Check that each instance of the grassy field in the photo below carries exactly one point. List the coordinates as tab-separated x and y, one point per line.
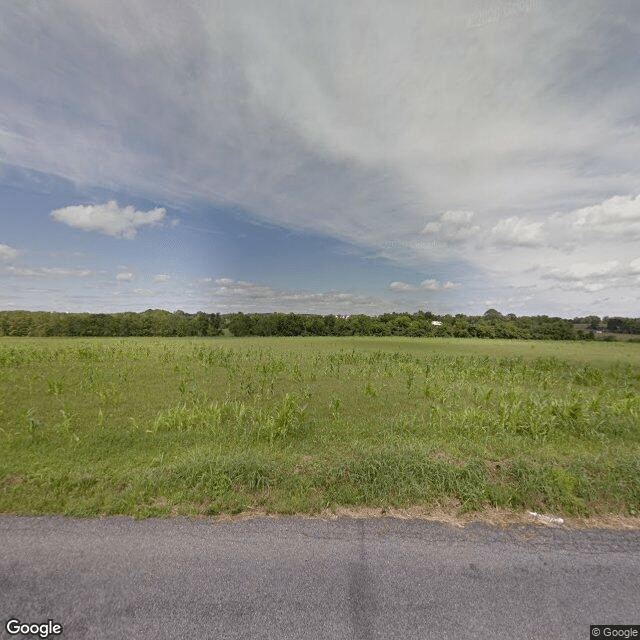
156	426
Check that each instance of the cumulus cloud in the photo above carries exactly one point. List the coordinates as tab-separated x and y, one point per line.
457	227
8	253
109	218
125	276
517	232
161	277
453	227
401	286
617	216
429	285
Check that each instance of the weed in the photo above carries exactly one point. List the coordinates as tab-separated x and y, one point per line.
35	425
334	406
369	390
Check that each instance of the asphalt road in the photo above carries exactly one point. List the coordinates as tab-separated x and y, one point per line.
301	578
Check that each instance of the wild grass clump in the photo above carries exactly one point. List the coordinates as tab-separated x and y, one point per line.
234	421
161	426
405	476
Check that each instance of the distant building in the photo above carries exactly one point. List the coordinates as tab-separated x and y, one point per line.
436	323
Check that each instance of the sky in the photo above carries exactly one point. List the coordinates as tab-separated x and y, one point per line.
320	157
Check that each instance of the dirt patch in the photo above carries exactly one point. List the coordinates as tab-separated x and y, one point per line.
494	470
449	514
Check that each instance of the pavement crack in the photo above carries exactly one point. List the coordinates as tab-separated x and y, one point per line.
361	596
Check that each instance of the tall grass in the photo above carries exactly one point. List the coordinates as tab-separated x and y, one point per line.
155	426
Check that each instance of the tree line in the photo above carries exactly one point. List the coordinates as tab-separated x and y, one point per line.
153	322
156	322
420	324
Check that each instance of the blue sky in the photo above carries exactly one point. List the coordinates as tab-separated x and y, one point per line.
320	157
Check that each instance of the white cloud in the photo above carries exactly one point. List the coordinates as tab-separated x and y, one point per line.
248	296
125	276
591	277
8	253
453	227
581	270
161	277
401	286
634	266
429	285
432	228
618	216
49	272
458	217
582	285
108	218
515	231
425	285
615	209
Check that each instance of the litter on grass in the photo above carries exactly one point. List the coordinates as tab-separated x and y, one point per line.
545	519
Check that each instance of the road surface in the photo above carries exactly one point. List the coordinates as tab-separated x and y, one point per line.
295	578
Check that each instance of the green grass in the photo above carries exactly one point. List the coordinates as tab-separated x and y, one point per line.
153	426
